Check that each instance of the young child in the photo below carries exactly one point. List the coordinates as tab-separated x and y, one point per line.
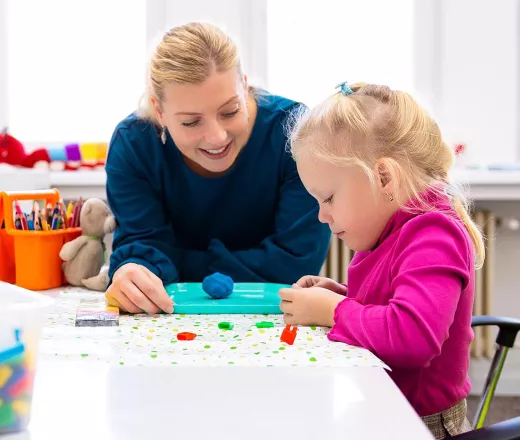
378	166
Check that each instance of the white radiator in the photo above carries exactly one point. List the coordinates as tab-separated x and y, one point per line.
484	343
337	261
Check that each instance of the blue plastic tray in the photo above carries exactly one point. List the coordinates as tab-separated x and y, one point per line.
247	298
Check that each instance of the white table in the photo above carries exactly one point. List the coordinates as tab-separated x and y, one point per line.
106	395
89	401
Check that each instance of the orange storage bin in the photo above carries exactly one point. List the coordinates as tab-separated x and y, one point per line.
30	259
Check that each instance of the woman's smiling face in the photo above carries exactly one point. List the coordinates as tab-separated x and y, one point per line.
209	122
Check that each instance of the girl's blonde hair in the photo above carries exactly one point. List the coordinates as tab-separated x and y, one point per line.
375	124
188	54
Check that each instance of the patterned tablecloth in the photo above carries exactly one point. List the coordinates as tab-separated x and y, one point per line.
151	340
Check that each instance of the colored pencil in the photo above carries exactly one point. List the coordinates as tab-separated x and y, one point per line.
20	213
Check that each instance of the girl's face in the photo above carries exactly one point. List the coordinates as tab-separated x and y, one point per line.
355	211
209	122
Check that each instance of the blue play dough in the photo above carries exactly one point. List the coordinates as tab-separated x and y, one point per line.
218	285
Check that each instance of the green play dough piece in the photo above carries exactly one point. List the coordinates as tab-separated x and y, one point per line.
264	324
226	325
7	415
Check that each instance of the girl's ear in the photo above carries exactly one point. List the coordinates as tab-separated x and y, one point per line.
386	171
158	111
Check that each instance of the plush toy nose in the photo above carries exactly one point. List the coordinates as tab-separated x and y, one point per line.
110	224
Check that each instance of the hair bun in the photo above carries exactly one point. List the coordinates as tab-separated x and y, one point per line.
381	93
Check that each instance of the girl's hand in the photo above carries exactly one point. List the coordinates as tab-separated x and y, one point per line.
135	289
326	283
309	306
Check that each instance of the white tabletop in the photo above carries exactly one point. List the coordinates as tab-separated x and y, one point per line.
88	401
136	381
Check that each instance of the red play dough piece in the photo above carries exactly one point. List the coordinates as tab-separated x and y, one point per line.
289	334
186	336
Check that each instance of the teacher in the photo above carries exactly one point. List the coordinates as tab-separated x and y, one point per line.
200	179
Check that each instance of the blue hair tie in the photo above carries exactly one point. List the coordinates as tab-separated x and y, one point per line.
345	89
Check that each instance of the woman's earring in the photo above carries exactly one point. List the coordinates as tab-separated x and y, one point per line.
390	197
163	135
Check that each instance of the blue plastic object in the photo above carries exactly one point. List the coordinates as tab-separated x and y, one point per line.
247	298
218	285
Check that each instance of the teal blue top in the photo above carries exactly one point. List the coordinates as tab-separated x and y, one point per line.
256	223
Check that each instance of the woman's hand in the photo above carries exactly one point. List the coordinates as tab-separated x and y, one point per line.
326	283
135	289
309	306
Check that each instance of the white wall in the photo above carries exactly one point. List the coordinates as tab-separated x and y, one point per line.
479	73
74	69
243	20
427	53
325	43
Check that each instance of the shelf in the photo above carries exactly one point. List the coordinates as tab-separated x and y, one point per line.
477	184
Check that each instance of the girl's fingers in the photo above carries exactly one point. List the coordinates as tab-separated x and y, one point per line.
289	319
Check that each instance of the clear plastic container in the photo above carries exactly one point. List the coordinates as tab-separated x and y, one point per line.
22	316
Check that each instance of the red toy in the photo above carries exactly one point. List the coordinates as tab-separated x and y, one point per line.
186	336
459	149
13	153
289	334
67	157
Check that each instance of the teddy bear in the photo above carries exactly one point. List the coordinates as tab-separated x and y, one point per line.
84	256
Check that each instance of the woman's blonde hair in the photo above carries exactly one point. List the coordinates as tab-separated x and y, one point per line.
375	124
187	54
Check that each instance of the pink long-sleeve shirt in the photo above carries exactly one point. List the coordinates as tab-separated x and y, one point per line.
410	302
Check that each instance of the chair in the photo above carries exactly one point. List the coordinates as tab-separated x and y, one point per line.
508	328
507	430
